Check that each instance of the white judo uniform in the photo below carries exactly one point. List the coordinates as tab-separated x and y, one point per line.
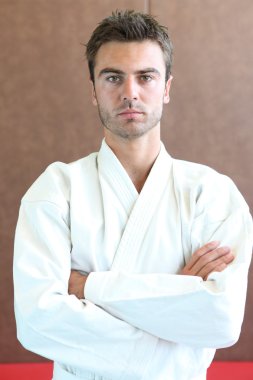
139	319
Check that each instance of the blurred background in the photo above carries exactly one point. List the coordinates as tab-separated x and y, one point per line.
46	112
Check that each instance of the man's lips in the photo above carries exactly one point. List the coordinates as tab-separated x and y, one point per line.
130	113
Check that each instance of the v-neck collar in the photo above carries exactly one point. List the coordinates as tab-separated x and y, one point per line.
112	171
139	207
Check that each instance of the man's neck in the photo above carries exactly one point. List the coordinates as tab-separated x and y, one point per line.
137	156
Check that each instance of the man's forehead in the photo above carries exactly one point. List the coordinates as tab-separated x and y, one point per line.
134	54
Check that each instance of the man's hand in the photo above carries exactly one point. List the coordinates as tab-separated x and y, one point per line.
77	283
209	258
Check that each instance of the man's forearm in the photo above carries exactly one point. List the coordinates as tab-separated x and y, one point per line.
204	261
172	307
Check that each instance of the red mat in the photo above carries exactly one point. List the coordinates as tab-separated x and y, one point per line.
26	371
230	371
43	371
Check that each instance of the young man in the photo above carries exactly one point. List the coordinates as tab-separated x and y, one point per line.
130	264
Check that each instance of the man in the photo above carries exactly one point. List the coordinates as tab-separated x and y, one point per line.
130	264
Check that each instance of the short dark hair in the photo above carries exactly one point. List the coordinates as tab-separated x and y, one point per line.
127	26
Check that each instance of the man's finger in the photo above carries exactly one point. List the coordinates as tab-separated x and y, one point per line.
210	257
220	263
202	251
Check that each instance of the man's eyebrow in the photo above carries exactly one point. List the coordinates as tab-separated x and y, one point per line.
112	70
149	70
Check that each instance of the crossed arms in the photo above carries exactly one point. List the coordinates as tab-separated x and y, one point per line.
210	258
181	308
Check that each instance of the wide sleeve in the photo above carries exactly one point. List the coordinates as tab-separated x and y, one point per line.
54	324
186	309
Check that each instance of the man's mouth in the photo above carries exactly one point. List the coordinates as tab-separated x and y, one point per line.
130	113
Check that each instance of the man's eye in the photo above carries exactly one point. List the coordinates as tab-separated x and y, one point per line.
146	78
113	79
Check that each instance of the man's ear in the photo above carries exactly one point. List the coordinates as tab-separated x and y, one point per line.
166	97
93	94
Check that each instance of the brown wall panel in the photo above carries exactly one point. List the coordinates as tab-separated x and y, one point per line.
46	112
209	118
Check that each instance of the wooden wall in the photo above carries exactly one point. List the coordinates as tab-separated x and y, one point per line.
46	113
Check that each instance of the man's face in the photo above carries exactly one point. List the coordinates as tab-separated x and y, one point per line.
130	87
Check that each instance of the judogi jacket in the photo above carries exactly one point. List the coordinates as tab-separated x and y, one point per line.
140	319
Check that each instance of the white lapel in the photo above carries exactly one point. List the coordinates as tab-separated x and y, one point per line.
139	208
114	178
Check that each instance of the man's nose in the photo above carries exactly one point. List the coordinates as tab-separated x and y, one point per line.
129	89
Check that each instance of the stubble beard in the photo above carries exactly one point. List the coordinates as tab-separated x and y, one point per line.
129	129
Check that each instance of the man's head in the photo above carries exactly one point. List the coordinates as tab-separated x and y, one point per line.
129	26
129	58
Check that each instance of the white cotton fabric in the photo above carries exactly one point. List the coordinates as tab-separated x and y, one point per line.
139	319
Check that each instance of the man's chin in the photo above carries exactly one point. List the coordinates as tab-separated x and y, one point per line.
130	133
